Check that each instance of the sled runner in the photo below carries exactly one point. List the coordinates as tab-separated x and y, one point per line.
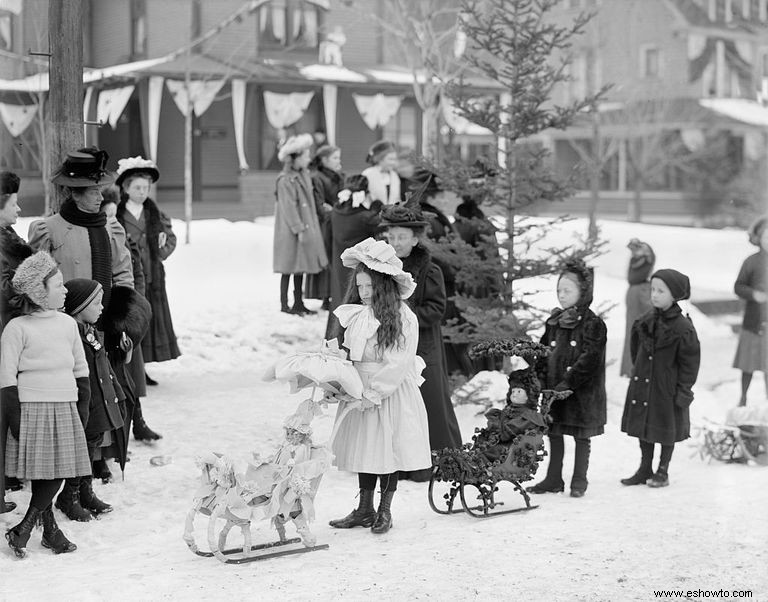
507	450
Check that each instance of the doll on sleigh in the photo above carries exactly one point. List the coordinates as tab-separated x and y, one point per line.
510	446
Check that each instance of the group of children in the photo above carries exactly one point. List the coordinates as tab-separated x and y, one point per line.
60	395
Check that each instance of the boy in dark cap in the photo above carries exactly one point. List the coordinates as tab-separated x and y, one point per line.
102	415
666	354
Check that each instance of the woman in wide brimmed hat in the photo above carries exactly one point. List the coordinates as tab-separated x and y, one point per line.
298	244
751	286
385	431
404	228
151	230
383	179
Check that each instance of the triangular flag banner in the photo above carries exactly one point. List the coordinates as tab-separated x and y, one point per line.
17	117
111	104
285	109
202	94
377	110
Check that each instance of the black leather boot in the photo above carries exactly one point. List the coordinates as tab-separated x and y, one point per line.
18	536
553	482
88	499
383	522
53	538
100	470
362	516
141	431
68	501
580	465
645	471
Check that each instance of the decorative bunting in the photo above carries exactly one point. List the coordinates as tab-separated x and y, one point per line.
111	104
202	93
284	110
377	110
17	117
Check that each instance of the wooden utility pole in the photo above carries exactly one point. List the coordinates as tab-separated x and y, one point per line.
65	105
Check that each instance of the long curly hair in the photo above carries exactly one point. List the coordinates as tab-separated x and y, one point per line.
385	303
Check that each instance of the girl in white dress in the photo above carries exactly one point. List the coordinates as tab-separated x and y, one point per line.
386	431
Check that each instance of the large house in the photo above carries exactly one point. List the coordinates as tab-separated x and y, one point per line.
259	70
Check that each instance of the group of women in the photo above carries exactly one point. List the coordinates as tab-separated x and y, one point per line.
108	231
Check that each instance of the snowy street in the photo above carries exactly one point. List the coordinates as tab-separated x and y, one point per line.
706	531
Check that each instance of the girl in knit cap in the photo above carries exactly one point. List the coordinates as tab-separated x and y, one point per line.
43	376
577	338
102	415
666	356
750	286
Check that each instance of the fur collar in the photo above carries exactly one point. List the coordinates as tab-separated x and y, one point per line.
13	248
416	263
657	328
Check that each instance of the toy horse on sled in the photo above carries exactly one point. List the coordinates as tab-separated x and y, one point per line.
283	487
511	445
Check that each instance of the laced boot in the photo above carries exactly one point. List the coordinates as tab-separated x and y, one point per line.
640	477
362	516
383	522
68	501
88	499
100	470
53	538
660	478
141	431
18	536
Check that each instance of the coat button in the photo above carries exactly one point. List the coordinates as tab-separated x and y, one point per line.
634	401
645	404
552	344
650	357
635	377
647	380
567	368
573	343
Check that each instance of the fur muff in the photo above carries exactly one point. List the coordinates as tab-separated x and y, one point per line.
128	312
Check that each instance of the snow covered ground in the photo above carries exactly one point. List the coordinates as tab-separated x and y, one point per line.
707	531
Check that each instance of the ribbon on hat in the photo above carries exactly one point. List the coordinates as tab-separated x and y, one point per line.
358	197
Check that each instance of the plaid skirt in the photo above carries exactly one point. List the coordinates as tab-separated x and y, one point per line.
51	443
750	354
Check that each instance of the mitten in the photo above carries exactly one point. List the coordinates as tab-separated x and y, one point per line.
83	398
11	409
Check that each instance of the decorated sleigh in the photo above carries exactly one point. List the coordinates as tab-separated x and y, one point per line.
743	438
282	487
507	450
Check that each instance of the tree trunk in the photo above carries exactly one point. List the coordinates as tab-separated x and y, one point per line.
65	107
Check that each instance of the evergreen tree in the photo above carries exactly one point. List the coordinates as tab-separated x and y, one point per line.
518	45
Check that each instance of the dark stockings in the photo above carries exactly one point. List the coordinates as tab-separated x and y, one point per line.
367	481
298	285
43	493
746	380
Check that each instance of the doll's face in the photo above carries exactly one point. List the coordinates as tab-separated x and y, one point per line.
364	287
92	311
56	291
518	397
568	293
661	297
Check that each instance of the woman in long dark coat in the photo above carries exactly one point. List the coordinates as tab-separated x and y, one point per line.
151	229
353	219
403	229
638	300
327	181
13	250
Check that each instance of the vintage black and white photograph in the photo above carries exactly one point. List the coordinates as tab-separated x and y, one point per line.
384	300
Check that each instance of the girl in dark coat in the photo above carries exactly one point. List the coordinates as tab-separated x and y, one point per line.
404	228
327	181
13	250
750	286
354	218
666	356
638	294
102	415
577	338
151	229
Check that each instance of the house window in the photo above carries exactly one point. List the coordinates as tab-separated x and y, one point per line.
650	61
6	30
291	23
402	128
138	29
